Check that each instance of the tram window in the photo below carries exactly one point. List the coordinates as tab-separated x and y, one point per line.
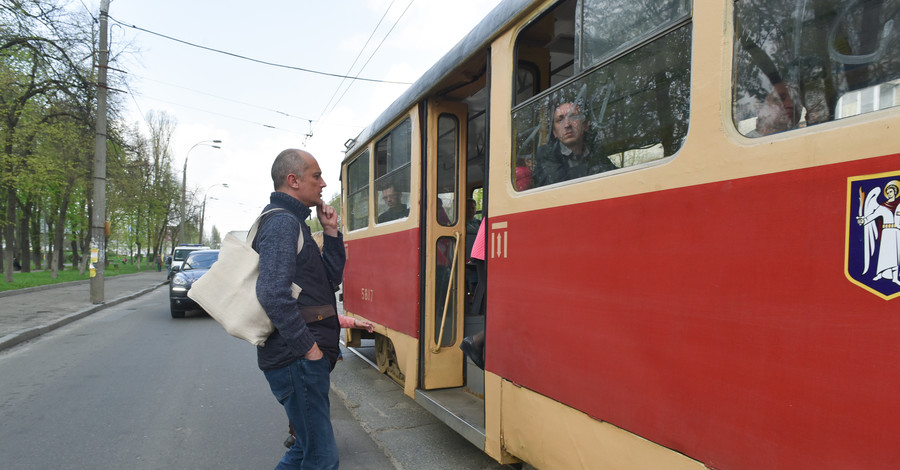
545	51
446	247
527	80
798	64
358	192
448	169
392	174
608	26
624	113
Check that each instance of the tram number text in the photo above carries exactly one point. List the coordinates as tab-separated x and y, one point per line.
367	294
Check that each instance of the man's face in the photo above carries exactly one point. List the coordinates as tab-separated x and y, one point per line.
568	125
308	188
391	197
776	114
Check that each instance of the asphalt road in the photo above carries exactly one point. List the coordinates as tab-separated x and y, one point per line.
129	387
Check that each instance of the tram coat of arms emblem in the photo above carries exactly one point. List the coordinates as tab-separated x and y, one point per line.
873	233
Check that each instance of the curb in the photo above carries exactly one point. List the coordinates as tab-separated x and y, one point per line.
13	339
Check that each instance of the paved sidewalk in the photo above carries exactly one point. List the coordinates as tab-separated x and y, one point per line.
28	313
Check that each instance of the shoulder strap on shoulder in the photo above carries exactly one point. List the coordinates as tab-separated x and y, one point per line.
264	216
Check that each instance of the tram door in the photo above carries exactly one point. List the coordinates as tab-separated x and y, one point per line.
442	329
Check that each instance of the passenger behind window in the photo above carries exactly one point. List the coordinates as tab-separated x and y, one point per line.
827	50
523	175
396	209
569	153
472	224
778	113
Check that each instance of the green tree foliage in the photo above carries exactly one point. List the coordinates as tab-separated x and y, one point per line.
47	129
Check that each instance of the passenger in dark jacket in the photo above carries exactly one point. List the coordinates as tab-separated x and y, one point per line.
569	154
299	355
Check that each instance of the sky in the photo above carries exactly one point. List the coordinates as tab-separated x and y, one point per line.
257	110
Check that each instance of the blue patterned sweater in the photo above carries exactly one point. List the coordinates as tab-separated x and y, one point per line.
316	273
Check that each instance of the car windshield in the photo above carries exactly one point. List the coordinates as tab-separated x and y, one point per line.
200	260
181	253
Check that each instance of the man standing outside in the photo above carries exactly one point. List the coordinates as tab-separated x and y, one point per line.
299	355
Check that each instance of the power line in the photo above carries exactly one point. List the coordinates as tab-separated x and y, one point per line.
368	60
290	67
269	126
349	69
222	98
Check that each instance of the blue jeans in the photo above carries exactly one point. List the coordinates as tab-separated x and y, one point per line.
302	388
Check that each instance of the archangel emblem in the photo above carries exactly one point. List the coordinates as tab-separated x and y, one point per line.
873	233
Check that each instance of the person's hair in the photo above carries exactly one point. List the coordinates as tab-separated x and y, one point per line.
287	162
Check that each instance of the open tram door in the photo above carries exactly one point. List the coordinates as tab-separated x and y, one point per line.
445	183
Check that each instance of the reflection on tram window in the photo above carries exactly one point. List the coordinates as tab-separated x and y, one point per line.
358	192
602	34
392	174
625	113
447	169
798	64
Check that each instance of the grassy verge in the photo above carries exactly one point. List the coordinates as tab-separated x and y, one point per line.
40	278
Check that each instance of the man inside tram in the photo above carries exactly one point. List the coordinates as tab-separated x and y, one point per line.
570	153
778	113
396	209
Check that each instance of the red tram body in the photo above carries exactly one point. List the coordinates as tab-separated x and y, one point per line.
709	301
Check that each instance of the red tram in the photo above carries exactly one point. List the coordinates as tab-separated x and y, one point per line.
691	248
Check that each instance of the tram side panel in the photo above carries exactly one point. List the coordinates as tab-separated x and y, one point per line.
715	320
381	280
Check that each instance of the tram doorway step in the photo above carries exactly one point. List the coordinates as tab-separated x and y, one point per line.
458	409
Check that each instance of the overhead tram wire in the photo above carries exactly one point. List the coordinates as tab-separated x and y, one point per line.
349	69
282	113
326	111
268	126
272	64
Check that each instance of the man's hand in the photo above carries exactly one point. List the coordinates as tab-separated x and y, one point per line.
328	217
314	353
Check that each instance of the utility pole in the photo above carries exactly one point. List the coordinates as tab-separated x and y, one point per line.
98	218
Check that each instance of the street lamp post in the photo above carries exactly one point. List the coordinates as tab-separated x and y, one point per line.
203	209
209	143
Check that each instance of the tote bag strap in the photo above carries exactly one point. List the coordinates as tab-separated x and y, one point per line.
252	235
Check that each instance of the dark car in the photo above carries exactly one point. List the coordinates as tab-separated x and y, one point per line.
195	265
179	255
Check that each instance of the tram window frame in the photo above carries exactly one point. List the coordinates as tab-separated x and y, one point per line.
393	162
358	191
588	90
796	67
